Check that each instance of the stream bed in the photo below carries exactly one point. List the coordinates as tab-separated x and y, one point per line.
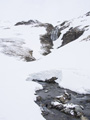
48	94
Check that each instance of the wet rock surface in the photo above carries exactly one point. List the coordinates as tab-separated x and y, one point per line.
46	99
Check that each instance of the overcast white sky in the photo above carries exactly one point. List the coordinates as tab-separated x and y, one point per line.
43	10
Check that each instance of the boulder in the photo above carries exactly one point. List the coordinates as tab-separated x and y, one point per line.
57	105
84	118
78	110
51	80
63	98
68	111
38	98
88	13
46	43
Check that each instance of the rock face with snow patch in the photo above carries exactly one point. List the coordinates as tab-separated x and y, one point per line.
47	39
14	47
47	44
71	35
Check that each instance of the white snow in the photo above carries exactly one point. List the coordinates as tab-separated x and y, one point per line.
16	95
28	37
43	75
71	63
55	103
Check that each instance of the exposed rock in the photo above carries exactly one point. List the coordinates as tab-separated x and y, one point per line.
67	95
28	59
56	105
48	26
71	35
30	22
87	38
45	110
47	43
78	110
47	39
38	98
84	118
64	98
63	23
75	108
61	99
51	80
70	108
18	51
68	111
55	33
14	47
88	13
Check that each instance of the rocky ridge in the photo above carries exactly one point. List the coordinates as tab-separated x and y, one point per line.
64	32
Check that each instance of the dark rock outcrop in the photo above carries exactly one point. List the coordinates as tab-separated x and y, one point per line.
51	80
71	35
46	43
64	25
29	22
88	13
47	39
28	59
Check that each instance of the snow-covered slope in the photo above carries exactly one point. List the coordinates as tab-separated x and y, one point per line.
69	63
72	60
16	95
20	40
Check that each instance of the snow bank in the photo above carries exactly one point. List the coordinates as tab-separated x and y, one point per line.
16	95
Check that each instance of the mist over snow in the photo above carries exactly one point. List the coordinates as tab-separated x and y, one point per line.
22	47
45	11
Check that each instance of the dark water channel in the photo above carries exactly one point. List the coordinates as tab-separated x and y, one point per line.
48	94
